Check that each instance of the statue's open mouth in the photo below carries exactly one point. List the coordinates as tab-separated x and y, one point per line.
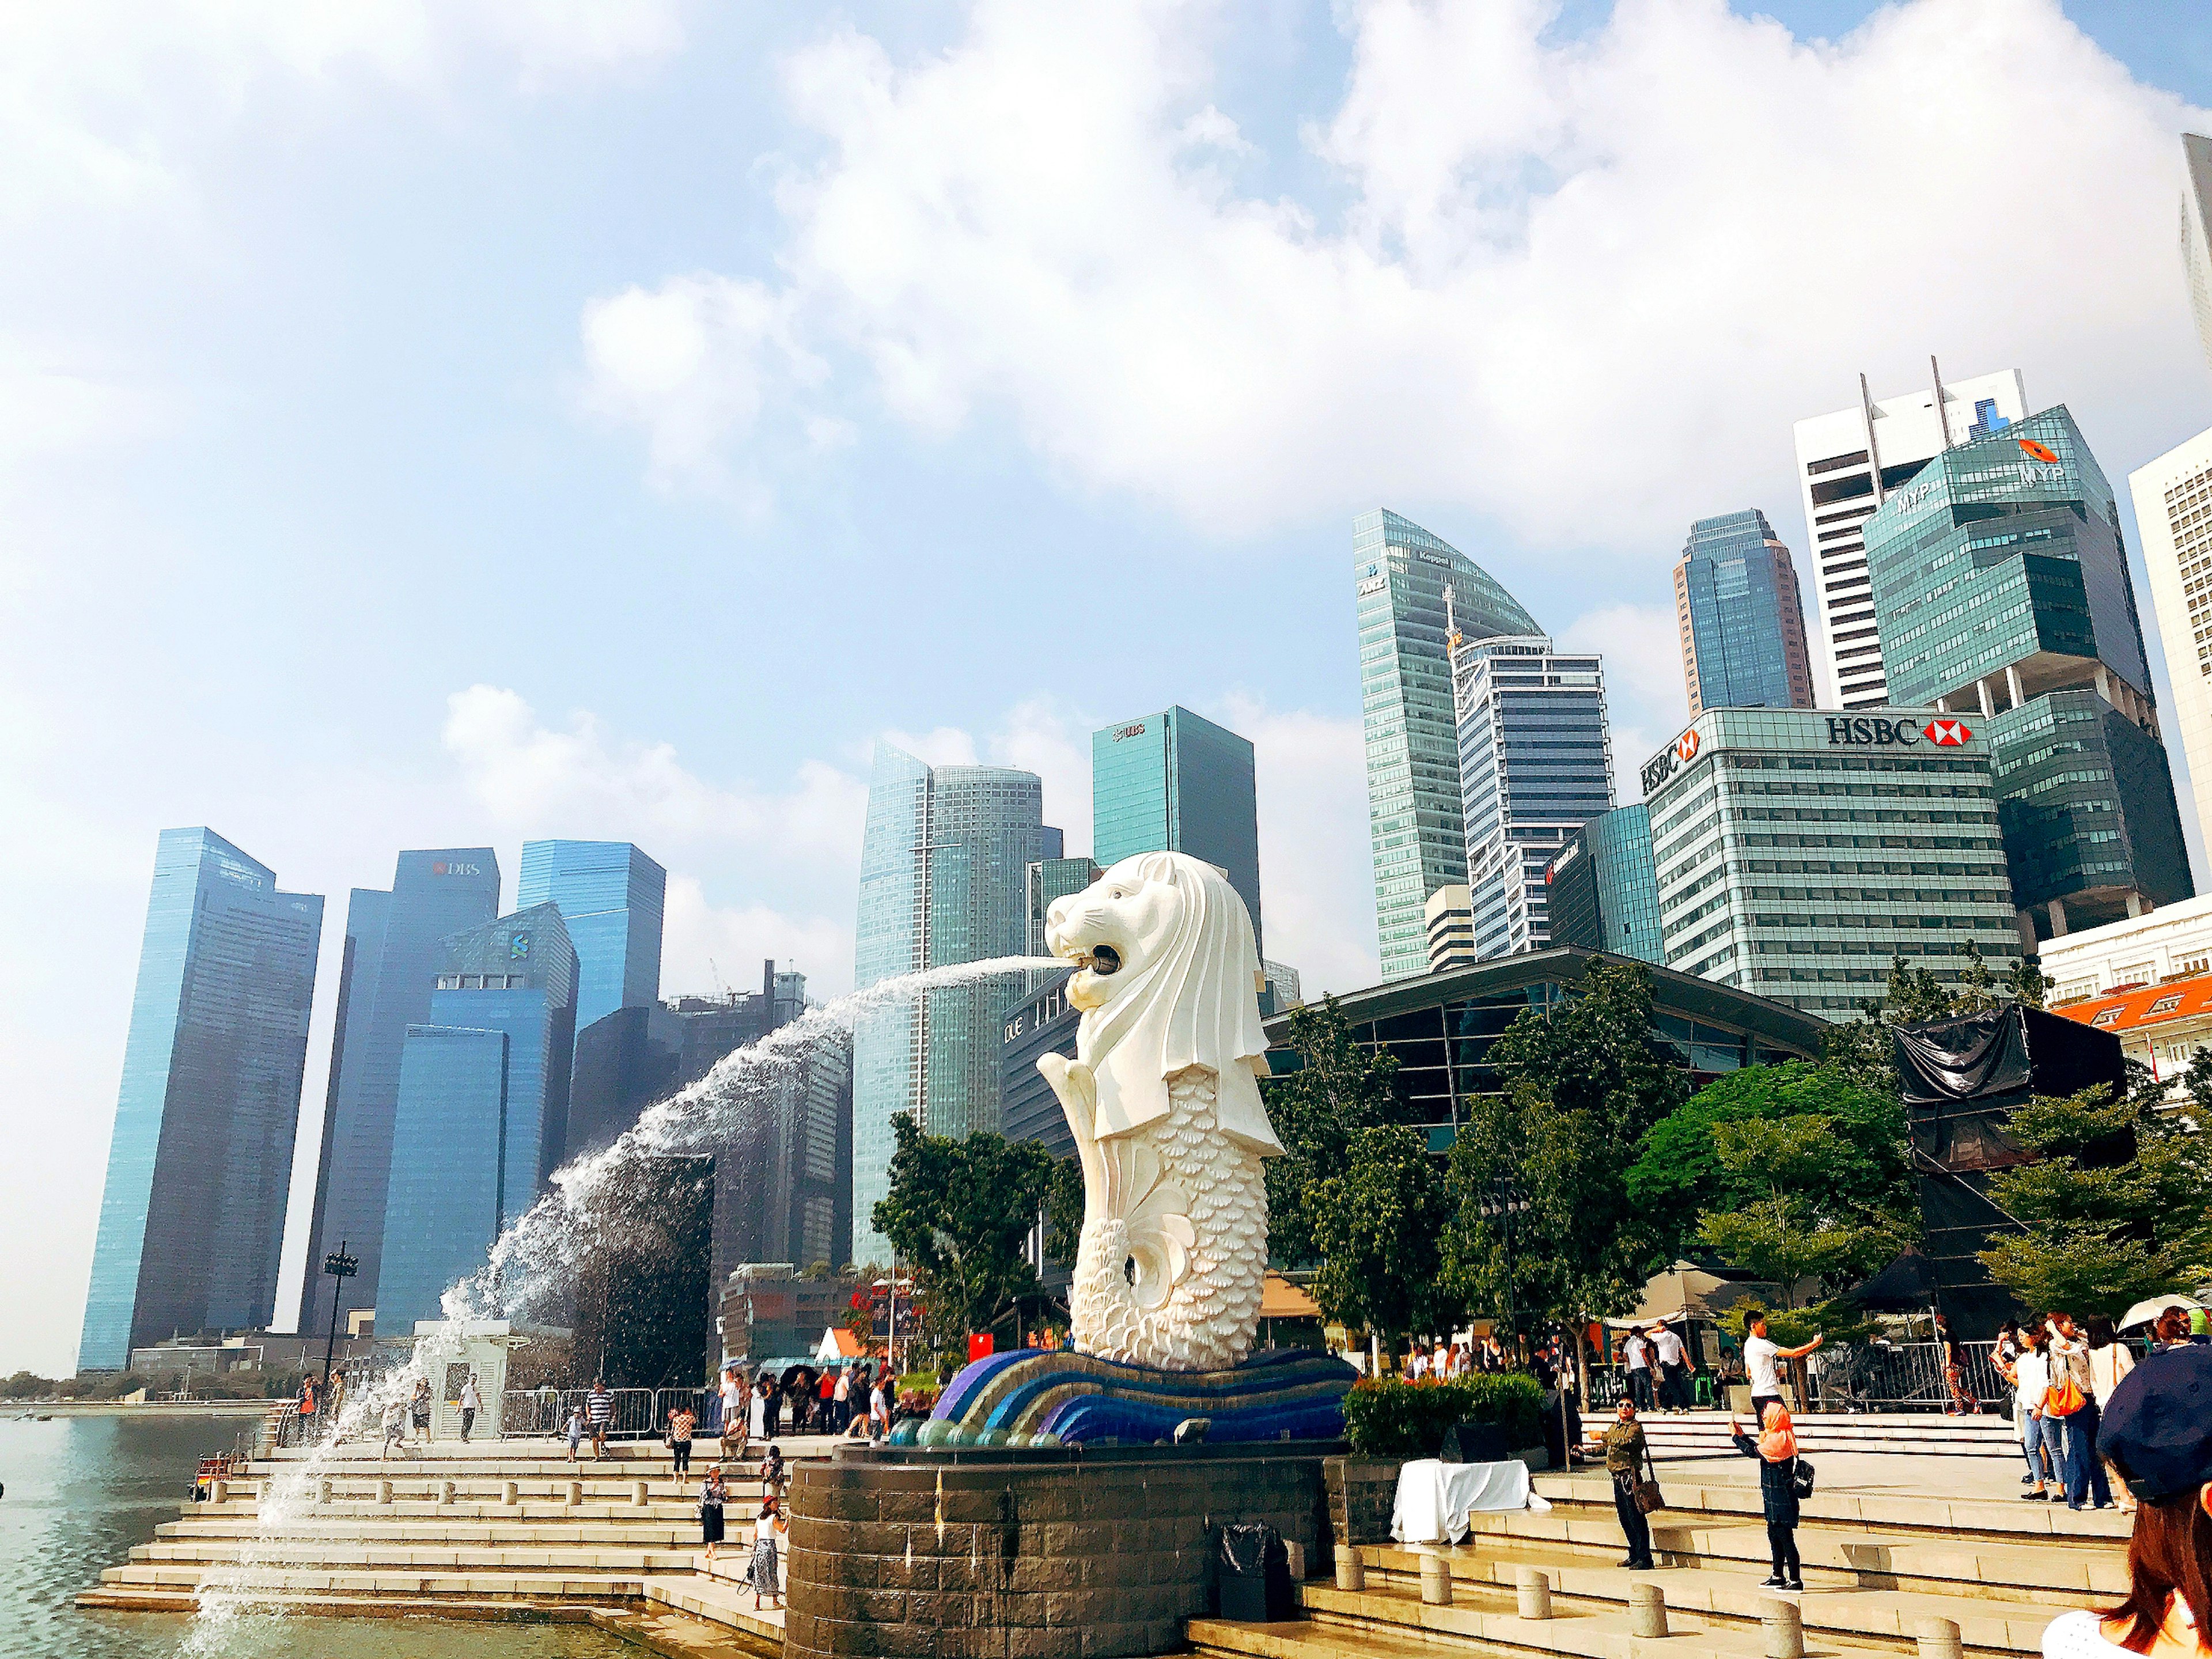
1101	959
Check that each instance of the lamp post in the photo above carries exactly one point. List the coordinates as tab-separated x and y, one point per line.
340	1267
1501	1204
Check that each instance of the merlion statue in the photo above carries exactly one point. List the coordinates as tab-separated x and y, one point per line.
1163	1097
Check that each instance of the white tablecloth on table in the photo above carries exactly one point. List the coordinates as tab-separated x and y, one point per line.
1435	1498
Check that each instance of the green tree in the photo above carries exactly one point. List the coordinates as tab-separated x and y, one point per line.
1788	1218
1679	1172
1338	1088
1376	1223
1582	1084
959	1214
2111	1203
1064	1200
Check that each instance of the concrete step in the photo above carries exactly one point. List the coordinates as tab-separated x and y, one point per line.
1674	1434
534	1532
719	1601
383	1553
1938	1564
480	1586
1877	1513
668	1514
1991	1623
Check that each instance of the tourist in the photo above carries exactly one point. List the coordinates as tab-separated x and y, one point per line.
1637	1354
826	1402
599	1412
2158	1433
768	1533
1776	1448
418	1409
2045	1441
471	1403
774	1476
334	1401
840	1398
1673	1367
1759	1355
1563	1423
2084	1471
681	1422
1626	1456
575	1430
1447	1352
395	1424
2171	1330
713	1495
1963	1404
309	1399
1417	1366
733	1413
879	1406
756	1418
2109	1362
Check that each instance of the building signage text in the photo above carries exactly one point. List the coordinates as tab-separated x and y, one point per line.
1134	730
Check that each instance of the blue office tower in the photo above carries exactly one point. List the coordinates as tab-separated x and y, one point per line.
1172	782
397	940
483	1107
1741	624
1605	887
192	1217
610	895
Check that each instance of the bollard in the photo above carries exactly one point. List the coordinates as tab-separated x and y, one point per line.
445	1492
218	1492
1784	1627
1297	1552
1936	1638
510	1494
1351	1570
384	1492
1533	1590
323	1490
638	1494
1436	1581
575	1491
1647	1610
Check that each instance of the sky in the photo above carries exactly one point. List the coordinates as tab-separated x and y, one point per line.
434	425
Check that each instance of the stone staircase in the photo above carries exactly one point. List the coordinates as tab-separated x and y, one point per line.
1704	1433
444	1527
1876	1562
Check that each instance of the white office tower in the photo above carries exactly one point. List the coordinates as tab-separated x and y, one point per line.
1847	462
1450	912
1534	765
2173	512
2195	235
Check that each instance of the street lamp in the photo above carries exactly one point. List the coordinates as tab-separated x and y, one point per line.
1500	1204
340	1267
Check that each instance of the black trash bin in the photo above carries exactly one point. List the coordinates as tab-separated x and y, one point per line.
1254	1573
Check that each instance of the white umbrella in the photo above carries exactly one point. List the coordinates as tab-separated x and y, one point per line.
2144	1312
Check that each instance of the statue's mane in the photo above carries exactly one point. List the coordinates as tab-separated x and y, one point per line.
1193	1003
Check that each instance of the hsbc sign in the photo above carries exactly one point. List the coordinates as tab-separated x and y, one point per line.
1669	761
1868	731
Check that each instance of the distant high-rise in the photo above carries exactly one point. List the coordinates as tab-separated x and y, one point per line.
2002	583
1536	763
1284	989
396	940
1736	609
2195	244
611	895
1172	782
1605	887
191	1219
1848	463
944	876
1450	916
2174	510
1413	811
1054	878
482	1110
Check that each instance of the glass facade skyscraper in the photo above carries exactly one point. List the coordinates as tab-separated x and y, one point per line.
397	941
1414	816
1050	880
1534	764
1741	624
192	1219
1172	782
1605	890
610	897
2001	582
943	878
483	1107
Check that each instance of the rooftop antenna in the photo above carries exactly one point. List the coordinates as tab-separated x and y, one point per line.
1451	623
1873	447
719	990
1942	415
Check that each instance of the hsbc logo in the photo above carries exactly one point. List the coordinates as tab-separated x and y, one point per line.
440	867
1948	733
1686	746
1869	731
1670	760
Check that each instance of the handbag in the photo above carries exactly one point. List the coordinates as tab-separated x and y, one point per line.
1801	1477
2064	1397
1648	1498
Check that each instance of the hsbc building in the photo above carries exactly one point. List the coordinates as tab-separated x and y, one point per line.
1799	851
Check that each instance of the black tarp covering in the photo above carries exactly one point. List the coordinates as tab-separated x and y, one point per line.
1968	1057
1906	1285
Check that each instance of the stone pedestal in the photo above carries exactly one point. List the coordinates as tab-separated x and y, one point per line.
1068	1553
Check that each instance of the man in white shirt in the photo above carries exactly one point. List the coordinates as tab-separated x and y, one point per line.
1673	1368
1760	1356
1639	1353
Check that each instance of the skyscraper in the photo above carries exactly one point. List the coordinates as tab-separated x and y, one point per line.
2196	245
1535	763
191	1219
1848	462
1413	810
1605	887
483	1107
2174	510
944	874
610	897
1172	782
2002	585
1054	878
1450	916
1736	609
398	941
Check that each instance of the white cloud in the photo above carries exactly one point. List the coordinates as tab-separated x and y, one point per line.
1645	700
702	941
1582	286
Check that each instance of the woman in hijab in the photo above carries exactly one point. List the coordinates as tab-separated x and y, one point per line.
1776	1448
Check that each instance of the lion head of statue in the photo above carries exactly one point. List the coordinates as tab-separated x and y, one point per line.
1167	979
